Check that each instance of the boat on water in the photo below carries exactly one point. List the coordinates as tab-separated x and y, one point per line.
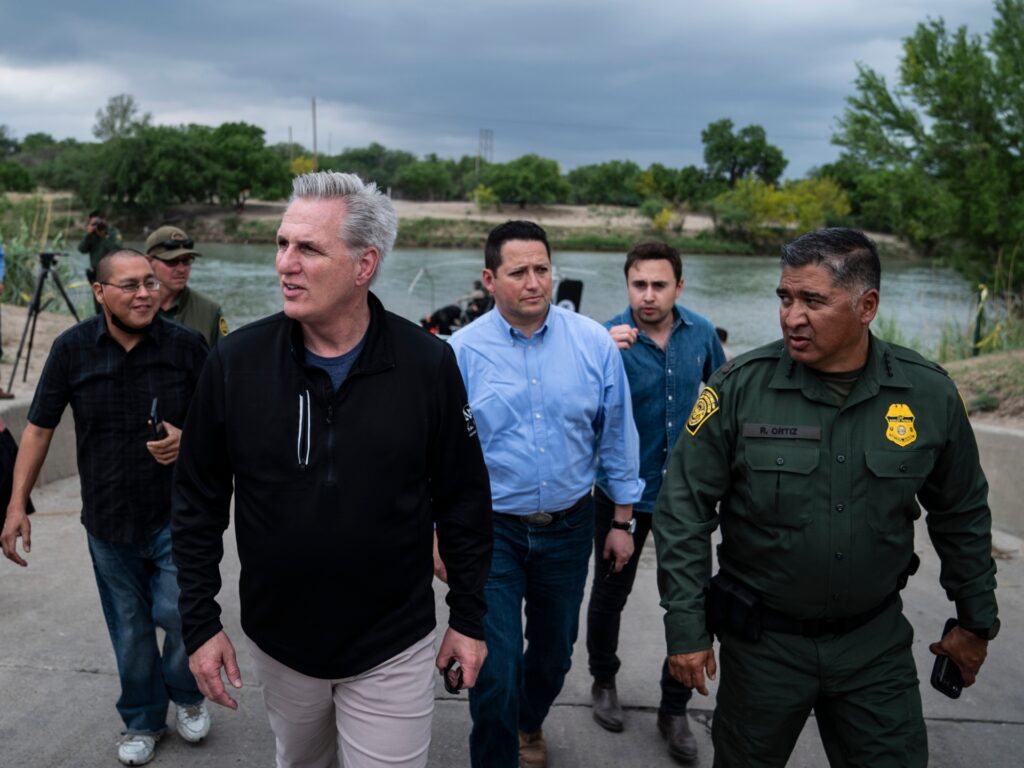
444	321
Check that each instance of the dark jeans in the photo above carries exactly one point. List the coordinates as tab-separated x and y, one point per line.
608	598
138	587
546	567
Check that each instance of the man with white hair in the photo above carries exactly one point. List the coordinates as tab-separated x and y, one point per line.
345	434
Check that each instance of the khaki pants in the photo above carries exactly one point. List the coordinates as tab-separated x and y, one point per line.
378	718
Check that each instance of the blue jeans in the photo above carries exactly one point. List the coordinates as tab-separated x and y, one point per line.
546	566
138	587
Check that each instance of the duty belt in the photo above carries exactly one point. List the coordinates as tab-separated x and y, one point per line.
542	519
780	622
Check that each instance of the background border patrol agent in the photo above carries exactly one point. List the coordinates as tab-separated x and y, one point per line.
819	448
171	253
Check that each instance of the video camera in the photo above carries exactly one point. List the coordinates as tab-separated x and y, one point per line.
47	260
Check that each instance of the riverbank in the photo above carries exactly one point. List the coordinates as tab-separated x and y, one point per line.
464	225
992	386
450	224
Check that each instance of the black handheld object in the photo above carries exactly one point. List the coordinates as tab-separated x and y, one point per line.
156	424
452	675
608	567
946	677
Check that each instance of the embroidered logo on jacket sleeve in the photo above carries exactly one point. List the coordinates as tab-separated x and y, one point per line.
707	405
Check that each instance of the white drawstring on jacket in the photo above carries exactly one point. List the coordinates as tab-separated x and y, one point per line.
305	419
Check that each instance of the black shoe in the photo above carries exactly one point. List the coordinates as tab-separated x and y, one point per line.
681	744
607	711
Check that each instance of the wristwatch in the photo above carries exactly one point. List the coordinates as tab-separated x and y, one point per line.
988	633
630	526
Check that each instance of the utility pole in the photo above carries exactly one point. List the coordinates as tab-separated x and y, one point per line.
316	164
291	148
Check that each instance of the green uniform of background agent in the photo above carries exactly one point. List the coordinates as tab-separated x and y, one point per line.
97	246
197	310
817	511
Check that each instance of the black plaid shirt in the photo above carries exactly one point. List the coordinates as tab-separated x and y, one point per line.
126	494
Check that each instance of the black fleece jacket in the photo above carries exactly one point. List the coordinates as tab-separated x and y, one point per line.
336	496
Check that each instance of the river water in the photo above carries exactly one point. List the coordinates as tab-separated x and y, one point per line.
734	292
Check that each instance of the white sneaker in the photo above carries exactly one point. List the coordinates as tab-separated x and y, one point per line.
193	722
136	749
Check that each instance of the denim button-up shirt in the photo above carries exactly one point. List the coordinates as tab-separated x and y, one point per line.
547	408
664	384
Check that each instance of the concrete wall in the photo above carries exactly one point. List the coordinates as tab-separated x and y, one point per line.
60	461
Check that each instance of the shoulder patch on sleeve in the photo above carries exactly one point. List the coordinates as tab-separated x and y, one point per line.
707	405
222	326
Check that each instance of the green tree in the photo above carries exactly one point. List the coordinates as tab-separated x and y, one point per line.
732	156
14	177
694	187
372	163
616	182
429	179
528	180
658	181
119	118
246	165
8	144
756	210
941	149
37	142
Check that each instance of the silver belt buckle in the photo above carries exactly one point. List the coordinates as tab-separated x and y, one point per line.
539	518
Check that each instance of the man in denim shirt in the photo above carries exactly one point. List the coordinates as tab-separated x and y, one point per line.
668	351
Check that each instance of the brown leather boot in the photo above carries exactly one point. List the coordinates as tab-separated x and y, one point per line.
681	743
533	750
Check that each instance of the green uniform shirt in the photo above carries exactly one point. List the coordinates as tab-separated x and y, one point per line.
97	247
818	501
198	311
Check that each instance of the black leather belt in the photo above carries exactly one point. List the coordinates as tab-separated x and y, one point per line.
542	519
779	622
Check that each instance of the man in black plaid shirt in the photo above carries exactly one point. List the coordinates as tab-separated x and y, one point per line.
110	369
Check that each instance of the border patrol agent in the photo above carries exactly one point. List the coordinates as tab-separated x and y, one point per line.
170	252
819	448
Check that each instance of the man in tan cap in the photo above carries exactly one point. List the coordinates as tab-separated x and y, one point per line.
170	252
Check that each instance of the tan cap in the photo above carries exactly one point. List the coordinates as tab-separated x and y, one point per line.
168	243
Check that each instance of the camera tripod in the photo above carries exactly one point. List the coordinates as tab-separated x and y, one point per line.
46	262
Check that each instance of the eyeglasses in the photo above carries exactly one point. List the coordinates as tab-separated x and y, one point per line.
172	245
180	261
151	285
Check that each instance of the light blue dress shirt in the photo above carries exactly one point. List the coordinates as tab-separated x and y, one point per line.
547	408
664	384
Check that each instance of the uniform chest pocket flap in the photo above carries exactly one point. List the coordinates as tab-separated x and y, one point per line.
895	478
778	482
899	464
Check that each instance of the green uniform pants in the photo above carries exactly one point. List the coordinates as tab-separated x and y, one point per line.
862	687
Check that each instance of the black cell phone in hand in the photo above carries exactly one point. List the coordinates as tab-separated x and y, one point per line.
946	677
156	425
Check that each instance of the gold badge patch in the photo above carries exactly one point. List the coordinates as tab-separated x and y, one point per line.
223	327
706	406
900	421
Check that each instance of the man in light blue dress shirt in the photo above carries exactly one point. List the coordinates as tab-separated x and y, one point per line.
550	398
668	350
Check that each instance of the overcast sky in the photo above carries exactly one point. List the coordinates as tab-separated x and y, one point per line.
581	81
